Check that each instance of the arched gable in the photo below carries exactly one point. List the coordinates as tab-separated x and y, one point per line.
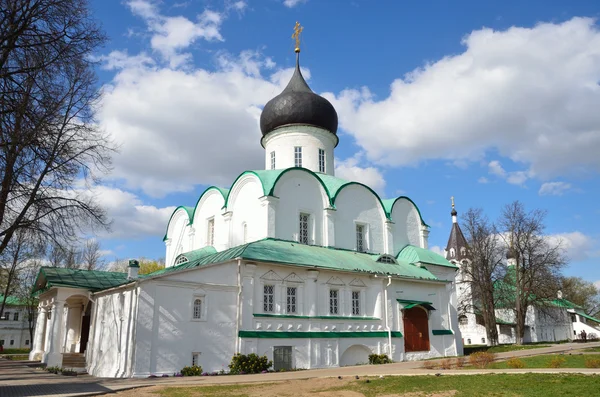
177	233
357	204
390	203
208	209
247	212
348	184
212	190
179	211
408	222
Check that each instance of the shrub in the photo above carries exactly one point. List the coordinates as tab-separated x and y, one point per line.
592	363
481	359
446	364
249	364
193	370
54	370
429	365
460	362
556	362
379	359
515	363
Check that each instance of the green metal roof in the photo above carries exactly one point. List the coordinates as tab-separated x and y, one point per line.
198	254
413	254
409	304
582	314
292	253
92	280
12	301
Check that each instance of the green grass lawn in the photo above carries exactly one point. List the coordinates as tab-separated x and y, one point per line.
496	385
571	361
592	349
501	348
15	351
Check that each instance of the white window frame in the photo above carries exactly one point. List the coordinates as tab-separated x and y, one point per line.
297	156
365	236
334	309
266	302
273	160
309	234
296	304
322	163
356	310
202	299
210	231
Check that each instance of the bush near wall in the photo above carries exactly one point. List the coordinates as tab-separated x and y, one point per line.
249	364
481	359
379	359
194	370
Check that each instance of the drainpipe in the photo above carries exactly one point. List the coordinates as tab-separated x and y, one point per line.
387	325
239	308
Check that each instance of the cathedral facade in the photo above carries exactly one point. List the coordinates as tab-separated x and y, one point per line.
290	262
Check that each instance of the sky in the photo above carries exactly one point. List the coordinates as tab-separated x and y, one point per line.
489	102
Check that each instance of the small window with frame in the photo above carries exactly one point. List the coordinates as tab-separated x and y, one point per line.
196	359
198	308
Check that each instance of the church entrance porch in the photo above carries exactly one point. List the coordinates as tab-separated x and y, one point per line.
416	329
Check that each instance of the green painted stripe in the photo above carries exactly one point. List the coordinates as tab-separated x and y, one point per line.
442	332
317	334
315	317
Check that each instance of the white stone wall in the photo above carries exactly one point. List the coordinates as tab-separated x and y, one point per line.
112	333
167	334
15	331
582	324
209	207
310	139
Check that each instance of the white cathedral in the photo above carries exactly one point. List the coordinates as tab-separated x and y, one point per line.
290	262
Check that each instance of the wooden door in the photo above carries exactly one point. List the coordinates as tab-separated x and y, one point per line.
416	330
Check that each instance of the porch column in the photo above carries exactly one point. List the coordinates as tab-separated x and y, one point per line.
54	345
40	330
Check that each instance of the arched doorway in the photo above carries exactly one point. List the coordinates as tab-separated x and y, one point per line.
416	329
354	355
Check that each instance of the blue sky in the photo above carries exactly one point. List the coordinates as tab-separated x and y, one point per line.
488	102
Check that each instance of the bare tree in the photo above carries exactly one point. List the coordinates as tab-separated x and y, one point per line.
484	270
51	150
538	261
26	279
22	248
91	255
582	292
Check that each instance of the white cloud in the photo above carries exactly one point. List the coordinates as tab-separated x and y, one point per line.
179	128
597	284
522	92
293	3
514	177
172	34
577	245
438	250
483	179
130	216
350	170
554	188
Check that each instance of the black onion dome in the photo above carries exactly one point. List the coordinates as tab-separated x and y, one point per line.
298	104
453	213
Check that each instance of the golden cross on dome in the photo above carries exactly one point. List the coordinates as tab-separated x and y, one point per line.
296	36
452	199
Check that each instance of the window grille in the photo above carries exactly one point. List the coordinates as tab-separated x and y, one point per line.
356	303
463	320
195	358
333	301
180	259
291	299
269	299
297	156
16	316
210	233
386	259
272	160
197	309
321	160
303	232
360	238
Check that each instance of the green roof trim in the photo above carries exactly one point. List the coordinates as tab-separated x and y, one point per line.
582	314
190	214
366	187
317	334
349	318
414	254
224	194
388	204
442	332
502	322
92	280
273	250
409	304
12	301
